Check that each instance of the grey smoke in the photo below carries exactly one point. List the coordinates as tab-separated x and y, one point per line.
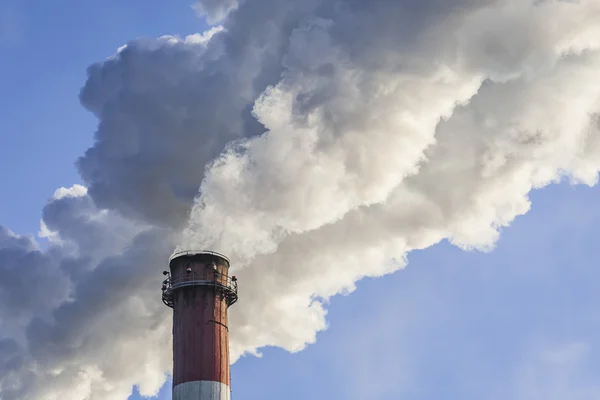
328	139
72	311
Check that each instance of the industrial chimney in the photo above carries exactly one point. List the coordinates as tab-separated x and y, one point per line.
199	290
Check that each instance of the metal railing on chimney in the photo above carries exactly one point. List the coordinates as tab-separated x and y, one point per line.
226	284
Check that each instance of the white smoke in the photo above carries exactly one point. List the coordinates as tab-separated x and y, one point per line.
328	139
360	165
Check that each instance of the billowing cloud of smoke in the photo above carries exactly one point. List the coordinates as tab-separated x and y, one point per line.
344	134
370	153
73	315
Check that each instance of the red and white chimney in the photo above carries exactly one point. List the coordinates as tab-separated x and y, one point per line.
199	290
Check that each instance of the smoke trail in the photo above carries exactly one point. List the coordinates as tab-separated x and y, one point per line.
328	139
370	154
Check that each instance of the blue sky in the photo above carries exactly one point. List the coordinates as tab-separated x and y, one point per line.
517	323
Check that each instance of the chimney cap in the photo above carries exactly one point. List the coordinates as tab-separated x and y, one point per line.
188	253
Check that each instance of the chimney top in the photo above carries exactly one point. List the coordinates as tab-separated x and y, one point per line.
185	253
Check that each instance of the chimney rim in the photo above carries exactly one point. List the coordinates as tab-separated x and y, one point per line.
188	253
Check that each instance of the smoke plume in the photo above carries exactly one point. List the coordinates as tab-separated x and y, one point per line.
314	142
